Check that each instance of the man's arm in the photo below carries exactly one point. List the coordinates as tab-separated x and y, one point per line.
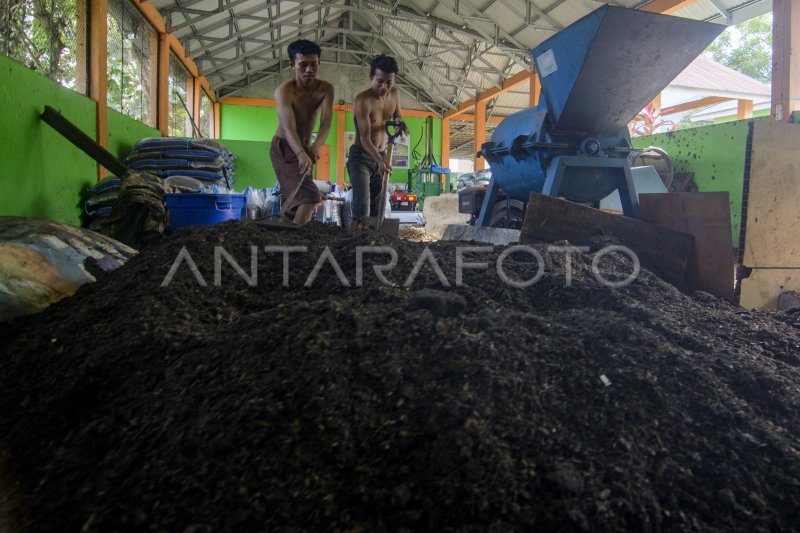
361	111
326	116
286	119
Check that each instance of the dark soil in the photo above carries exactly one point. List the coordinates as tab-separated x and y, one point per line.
137	407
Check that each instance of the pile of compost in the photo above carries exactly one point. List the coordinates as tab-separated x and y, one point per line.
176	401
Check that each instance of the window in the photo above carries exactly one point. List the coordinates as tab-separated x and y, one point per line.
206	116
180	99
48	36
132	62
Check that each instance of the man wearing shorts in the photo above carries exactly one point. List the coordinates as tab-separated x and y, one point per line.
299	101
365	164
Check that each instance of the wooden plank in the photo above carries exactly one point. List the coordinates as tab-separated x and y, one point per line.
706	216
703	102
663	251
765	285
665	7
785	59
773	217
480	133
162	118
340	156
323	166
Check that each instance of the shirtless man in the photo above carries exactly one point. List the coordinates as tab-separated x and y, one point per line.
365	165
299	101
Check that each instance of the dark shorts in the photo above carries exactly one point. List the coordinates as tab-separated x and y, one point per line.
287	169
366	180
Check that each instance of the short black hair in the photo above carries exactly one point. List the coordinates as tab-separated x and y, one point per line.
385	63
307	48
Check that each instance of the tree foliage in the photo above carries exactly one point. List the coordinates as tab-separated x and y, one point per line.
41	35
747	48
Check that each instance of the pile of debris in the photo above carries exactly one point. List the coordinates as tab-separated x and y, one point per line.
169	396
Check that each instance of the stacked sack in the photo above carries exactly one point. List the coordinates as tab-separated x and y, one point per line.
202	159
100	202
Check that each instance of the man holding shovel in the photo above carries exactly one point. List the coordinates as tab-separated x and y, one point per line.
366	164
299	101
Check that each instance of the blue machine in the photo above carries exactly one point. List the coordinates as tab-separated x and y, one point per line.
596	75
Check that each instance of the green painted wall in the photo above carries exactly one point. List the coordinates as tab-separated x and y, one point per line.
253	167
250	123
124	132
716	155
41	173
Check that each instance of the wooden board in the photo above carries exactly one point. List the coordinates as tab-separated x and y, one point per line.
706	216
661	250
772	237
765	285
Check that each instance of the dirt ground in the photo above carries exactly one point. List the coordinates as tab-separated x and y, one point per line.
557	407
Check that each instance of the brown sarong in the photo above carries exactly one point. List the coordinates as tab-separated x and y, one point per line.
287	169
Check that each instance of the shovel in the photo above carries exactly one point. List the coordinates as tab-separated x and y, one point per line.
281	222
398	131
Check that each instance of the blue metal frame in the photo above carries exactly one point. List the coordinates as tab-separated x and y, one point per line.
557	172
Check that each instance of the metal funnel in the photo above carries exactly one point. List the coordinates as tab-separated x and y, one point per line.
599	72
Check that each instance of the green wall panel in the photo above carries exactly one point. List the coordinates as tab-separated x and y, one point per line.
716	155
41	173
253	167
248	123
124	132
251	123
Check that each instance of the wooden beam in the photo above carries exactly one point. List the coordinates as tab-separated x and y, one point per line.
98	71
703	102
471	118
535	89
340	155
656	103
666	7
217	120
785	59
162	117
744	109
508	84
254	102
480	132
195	82
420	114
180	52
151	13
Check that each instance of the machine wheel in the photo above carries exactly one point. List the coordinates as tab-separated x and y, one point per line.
507	218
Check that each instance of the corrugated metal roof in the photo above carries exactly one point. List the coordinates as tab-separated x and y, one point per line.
240	42
703	73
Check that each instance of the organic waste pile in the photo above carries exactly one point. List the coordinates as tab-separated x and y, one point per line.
566	405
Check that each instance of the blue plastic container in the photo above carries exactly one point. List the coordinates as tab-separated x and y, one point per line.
187	209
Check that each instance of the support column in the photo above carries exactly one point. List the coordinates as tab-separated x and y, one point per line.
744	109
535	90
656	105
445	149
480	132
340	155
217	120
196	102
785	59
162	118
98	71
